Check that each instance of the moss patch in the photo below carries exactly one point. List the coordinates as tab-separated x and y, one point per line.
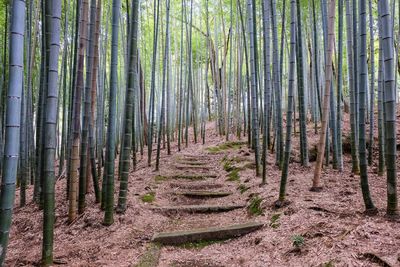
234	176
254	207
187	176
150	257
228	166
298	241
243	188
160	178
274	222
250	165
328	264
199	245
225	146
149	197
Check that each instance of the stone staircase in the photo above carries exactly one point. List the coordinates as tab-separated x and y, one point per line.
196	183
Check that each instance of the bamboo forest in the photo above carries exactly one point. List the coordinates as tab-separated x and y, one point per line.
195	133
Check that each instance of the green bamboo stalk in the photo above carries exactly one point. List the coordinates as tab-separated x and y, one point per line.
12	133
390	107
290	107
381	129
372	84
267	83
301	93
129	108
340	89
369	205
53	19
353	122
111	129
253	90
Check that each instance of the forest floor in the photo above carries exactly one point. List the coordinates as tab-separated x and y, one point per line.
331	222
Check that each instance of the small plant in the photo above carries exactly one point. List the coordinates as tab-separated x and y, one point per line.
275	220
298	241
149	197
242	188
160	178
228	166
233	176
255	206
328	264
225	146
250	165
199	245
213	149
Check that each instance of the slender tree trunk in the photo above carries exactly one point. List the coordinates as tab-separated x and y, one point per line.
13	112
290	107
164	85
152	86
381	128
53	14
129	108
277	87
352	92
339	89
111	129
325	111
390	107
73	188
301	95
369	205
267	83
87	114
254	103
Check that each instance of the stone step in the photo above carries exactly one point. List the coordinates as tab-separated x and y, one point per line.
195	186
194	158
150	257
193	163
195	167
206	234
199	208
203	194
187	176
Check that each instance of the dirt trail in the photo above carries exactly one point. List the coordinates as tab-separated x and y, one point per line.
331	222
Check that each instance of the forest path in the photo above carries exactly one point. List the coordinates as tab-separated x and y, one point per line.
201	195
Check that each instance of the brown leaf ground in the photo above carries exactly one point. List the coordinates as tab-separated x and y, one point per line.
332	222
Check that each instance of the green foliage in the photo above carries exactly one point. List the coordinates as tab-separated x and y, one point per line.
274	222
151	256
298	241
160	178
225	146
250	165
255	206
199	244
149	197
328	264
213	149
233	176
243	188
228	166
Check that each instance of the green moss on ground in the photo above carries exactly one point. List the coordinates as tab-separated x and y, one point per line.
274	222
199	244
234	176
149	197
150	257
243	188
160	178
225	146
254	207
